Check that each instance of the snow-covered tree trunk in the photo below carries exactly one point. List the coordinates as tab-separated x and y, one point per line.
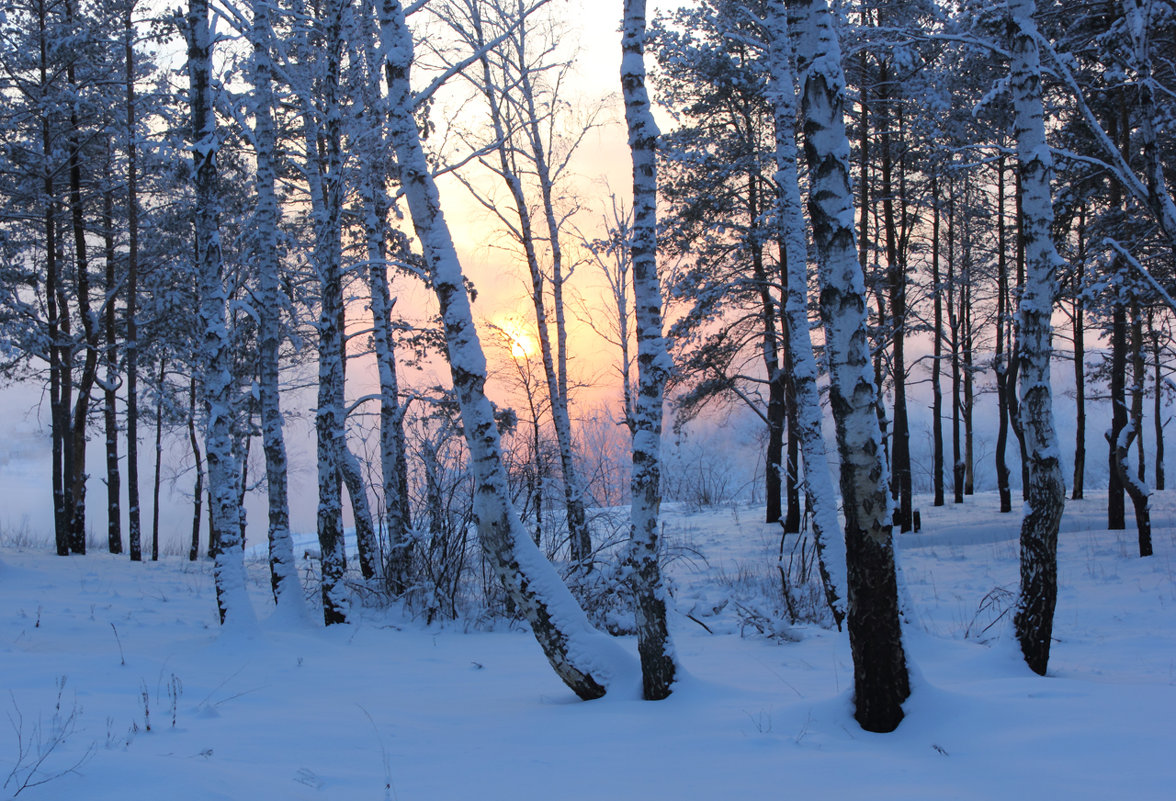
586	660
322	129
283	570
361	512
1046	494
818	477
216	360
658	665
881	682
376	203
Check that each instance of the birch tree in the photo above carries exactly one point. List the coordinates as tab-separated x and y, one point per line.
283	571
658	664
215	356
822	496
586	660
881	681
1046	492
376	204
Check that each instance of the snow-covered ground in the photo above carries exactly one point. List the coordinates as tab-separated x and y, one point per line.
127	664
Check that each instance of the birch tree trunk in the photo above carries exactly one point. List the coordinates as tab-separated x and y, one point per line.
827	534
216	360
881	682
283	570
586	660
361	512
1046	487
322	130
374	196
658	664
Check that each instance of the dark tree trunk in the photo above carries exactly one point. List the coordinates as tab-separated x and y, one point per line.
937	354
1158	397
1079	362
774	468
969	371
1116	502
59	418
109	393
1136	485
198	490
900	451
953	323
792	465
1000	359
90	344
134	525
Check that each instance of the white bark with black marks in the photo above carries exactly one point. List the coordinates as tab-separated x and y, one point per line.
881	681
1046	491
818	477
216	359
658	663
283	570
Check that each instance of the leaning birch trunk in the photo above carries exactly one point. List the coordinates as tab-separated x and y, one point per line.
827	533
1046	492
283	570
215	356
586	660
361	512
658	666
881	682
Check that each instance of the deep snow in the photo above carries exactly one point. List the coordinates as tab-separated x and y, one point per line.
448	712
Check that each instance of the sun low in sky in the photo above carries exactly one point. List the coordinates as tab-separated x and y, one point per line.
516	334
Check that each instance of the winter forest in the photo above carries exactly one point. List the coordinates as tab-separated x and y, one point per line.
800	365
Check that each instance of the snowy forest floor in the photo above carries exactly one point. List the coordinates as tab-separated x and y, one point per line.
119	677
